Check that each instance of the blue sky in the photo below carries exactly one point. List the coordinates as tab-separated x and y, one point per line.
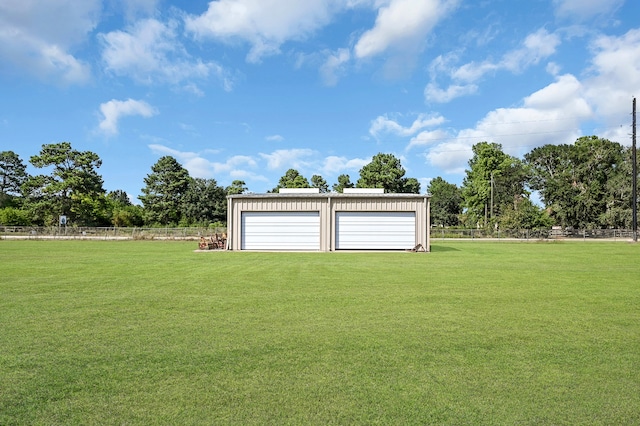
246	89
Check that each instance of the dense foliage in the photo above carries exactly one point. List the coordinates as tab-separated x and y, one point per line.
584	185
344	181
587	184
73	189
166	187
446	202
385	171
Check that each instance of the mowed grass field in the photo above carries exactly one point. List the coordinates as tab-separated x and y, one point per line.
148	332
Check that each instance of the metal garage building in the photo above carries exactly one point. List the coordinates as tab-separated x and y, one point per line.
309	221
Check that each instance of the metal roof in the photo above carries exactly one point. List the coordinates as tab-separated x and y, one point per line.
329	195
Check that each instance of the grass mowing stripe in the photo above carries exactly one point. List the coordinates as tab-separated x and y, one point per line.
151	332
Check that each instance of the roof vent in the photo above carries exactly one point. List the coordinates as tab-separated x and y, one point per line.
299	191
363	190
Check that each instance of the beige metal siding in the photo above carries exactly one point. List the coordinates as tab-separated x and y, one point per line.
327	205
272	204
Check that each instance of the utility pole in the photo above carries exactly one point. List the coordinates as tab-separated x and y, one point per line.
634	172
491	195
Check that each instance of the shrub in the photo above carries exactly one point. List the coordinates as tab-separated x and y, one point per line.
10	216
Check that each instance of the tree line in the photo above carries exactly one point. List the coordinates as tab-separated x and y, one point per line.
584	185
170	196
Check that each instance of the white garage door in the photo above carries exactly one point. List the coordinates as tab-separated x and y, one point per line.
375	230
280	231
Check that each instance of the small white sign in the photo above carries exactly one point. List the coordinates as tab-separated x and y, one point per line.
63	220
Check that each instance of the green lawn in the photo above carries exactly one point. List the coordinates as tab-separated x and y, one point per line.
144	332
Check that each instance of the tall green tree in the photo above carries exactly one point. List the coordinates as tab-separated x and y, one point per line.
410	185
493	182
524	214
584	185
74	187
619	195
119	197
292	179
386	171
162	196
344	181
553	174
203	203
236	187
318	181
598	162
127	216
446	202
123	212
13	173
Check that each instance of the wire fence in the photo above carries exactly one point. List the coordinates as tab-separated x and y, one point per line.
108	233
533	234
194	233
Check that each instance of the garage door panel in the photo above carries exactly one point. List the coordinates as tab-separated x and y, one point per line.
375	230
280	231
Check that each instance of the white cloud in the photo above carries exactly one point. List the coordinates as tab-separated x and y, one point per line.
550	115
150	52
564	95
443	64
274	138
556	113
235	165
247	175
451	157
165	150
553	113
553	68
239	167
334	66
473	71
33	39
199	166
69	70
580	10
432	93
288	158
135	8
113	110
401	28
400	24
535	47
196	164
331	64
614	79
265	24
338	165
383	124
428	138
